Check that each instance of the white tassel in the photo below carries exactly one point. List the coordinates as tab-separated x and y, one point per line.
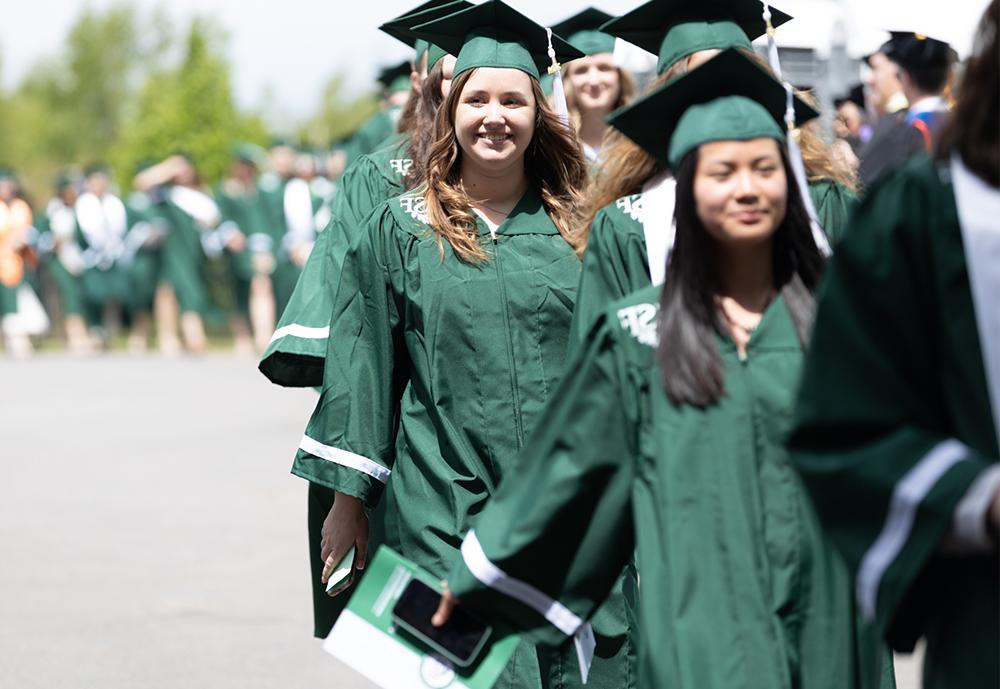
772	47
799	171
559	103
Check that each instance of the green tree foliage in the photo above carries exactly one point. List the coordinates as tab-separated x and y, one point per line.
189	109
339	115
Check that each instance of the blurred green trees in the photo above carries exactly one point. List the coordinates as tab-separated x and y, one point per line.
128	87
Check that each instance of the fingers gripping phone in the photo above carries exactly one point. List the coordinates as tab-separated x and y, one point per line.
342	575
459	640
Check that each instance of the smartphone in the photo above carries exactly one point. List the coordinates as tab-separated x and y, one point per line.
343	574
460	639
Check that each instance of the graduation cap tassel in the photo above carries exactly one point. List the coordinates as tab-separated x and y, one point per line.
772	47
799	170
558	92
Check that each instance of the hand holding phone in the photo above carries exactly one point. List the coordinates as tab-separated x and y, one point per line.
342	575
460	639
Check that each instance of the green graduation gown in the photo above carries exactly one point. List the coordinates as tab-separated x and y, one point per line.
893	424
296	353
739	587
437	371
616	262
67	283
184	261
245	208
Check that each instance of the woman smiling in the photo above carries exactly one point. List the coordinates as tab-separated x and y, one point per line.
452	317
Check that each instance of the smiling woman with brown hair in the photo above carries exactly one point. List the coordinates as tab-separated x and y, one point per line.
451	322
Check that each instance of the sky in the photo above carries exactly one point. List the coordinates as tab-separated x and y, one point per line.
289	48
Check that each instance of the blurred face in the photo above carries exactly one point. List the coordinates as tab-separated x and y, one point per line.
740	190
97	183
186	175
595	82
848	120
447	72
495	118
700	57
882	79
281	159
8	188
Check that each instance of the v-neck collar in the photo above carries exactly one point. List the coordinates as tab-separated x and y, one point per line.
528	217
776	331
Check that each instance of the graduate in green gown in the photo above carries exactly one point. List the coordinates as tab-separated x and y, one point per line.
897	424
595	85
395	82
667	433
64	260
627	225
451	319
296	353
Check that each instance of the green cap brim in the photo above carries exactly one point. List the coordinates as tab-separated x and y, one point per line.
654	121
582	31
494	34
659	26
399	28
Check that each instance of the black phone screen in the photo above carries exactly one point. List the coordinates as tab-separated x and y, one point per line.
460	639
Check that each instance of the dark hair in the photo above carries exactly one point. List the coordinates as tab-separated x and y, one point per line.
973	126
931	79
688	354
422	131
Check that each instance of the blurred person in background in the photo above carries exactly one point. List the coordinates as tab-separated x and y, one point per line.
21	313
191	214
908	76
595	85
63	259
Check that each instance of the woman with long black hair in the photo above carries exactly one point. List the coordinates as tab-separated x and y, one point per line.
666	435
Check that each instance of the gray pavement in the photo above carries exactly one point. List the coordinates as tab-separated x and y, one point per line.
151	534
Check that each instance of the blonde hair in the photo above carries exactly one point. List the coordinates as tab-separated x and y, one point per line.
627	167
553	163
626	90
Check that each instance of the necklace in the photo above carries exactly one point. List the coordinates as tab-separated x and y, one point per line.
489	208
742	324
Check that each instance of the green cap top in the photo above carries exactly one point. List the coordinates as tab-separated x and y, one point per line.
494	34
396	77
674	29
399	28
249	153
729	98
581	30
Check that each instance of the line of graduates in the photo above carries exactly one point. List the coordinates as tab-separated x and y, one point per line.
104	262
551	361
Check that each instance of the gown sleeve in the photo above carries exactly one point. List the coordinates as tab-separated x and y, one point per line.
602	279
296	355
549	545
349	444
871	436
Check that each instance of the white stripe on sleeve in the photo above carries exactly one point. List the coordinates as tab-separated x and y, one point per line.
906	498
345	458
555	612
301	331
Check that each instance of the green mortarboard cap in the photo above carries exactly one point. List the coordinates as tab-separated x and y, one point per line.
251	154
581	30
65	178
281	142
728	98
674	29
396	77
494	34
399	28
